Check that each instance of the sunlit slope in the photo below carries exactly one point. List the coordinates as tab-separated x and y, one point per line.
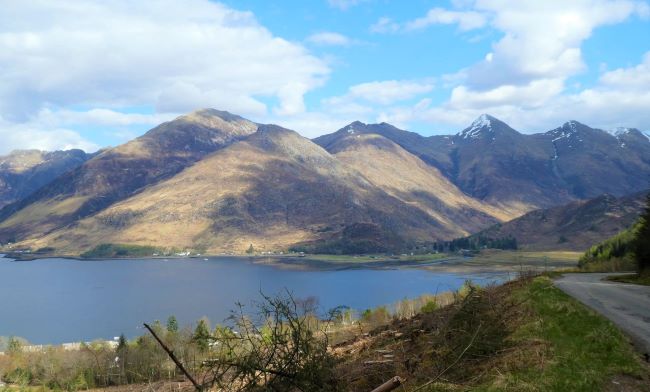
273	190
120	172
406	177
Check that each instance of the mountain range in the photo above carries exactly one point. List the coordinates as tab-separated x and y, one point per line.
216	182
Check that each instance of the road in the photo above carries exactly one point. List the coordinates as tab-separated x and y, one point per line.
627	305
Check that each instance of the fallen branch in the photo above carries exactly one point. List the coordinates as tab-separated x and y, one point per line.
178	363
389	385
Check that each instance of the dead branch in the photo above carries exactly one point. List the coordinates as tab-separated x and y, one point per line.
178	363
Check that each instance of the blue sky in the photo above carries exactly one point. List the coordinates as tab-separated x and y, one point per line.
90	74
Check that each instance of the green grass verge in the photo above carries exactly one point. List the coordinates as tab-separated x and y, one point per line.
585	350
632	278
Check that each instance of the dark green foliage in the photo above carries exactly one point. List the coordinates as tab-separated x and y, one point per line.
122	343
617	248
250	250
627	250
202	335
476	242
641	243
119	250
47	249
357	238
172	324
429	307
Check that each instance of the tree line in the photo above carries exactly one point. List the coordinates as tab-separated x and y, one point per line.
476	242
630	248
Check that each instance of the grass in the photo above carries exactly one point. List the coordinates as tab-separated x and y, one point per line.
632	278
530	336
585	350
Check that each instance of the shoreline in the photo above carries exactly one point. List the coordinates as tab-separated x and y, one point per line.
484	262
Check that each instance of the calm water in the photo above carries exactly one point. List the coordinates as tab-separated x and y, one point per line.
57	300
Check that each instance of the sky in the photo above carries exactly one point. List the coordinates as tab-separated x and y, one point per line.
90	74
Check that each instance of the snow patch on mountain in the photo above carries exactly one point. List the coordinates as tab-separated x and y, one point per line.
618	131
568	131
483	122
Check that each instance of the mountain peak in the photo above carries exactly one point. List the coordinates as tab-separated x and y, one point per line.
354	127
209	112
618	131
571	124
484	124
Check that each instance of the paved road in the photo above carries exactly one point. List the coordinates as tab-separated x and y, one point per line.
627	305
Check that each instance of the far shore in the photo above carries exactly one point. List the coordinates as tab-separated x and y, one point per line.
485	261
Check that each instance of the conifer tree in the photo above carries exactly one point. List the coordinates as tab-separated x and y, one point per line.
202	335
172	324
641	242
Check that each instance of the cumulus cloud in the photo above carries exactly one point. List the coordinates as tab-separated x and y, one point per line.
328	38
362	100
523	78
170	55
620	98
541	39
31	136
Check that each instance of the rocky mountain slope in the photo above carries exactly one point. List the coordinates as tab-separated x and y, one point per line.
216	182
518	172
120	172
277	189
23	172
574	226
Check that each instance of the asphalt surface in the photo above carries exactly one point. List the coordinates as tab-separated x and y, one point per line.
627	305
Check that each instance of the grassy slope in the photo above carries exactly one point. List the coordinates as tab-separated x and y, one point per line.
632	278
586	350
530	336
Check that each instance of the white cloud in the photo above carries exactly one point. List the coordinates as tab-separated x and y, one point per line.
541	40
466	20
534	94
120	53
385	25
51	129
49	118
328	38
633	78
31	136
523	77
344	4
620	98
384	92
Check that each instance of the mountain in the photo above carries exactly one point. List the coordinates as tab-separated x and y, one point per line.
492	162
22	172
118	173
574	226
213	181
403	175
274	190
